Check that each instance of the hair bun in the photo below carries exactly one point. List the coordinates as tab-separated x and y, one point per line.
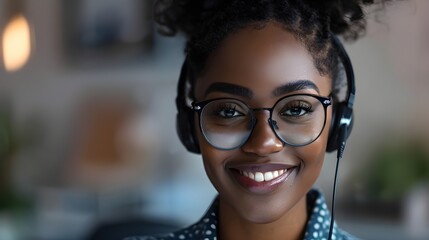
345	17
184	15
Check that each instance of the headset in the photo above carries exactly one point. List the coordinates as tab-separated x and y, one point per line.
342	114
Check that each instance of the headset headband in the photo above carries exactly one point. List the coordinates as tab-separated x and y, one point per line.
345	59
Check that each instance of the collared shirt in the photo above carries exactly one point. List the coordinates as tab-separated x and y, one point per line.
206	229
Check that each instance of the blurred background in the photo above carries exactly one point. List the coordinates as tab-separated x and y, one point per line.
87	125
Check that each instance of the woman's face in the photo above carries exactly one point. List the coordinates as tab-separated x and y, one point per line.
258	67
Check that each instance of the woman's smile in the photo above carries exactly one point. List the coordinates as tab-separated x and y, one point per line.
262	178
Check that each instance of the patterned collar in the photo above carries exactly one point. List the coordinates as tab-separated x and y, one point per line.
205	229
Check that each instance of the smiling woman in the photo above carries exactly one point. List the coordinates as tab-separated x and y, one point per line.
262	78
255	204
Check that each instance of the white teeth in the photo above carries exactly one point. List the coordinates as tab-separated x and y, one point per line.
275	174
259	177
266	176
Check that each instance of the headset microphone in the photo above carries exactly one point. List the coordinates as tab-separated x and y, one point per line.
340	151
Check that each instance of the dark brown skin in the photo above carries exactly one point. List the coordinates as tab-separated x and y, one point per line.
262	60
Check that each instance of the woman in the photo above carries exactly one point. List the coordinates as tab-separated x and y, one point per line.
256	99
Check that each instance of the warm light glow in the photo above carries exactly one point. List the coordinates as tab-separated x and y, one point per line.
16	43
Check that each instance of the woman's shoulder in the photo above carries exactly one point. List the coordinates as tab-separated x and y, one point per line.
320	219
204	229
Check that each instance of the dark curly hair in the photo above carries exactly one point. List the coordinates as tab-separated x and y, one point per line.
207	22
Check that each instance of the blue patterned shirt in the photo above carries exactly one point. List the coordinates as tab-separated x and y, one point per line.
206	228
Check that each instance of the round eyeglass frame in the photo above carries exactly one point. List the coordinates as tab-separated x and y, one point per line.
199	106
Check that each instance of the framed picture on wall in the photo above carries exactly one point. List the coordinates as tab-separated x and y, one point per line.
106	32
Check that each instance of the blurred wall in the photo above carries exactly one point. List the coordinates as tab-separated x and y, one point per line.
51	99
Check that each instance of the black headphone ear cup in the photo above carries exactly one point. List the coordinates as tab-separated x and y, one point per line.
186	131
341	112
333	130
185	127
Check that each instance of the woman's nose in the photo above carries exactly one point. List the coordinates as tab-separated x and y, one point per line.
263	141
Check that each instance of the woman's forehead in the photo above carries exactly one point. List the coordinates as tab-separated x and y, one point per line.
261	59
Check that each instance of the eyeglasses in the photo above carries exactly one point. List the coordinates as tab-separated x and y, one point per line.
228	123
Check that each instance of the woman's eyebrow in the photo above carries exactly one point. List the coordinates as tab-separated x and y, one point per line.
229	88
295	86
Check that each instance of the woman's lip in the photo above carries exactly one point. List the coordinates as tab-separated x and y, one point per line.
261	187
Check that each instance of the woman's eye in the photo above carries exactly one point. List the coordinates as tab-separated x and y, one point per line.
229	113
297	111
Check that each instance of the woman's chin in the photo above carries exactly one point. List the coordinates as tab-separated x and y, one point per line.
262	217
263	213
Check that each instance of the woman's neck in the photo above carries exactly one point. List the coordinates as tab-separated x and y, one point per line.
290	226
